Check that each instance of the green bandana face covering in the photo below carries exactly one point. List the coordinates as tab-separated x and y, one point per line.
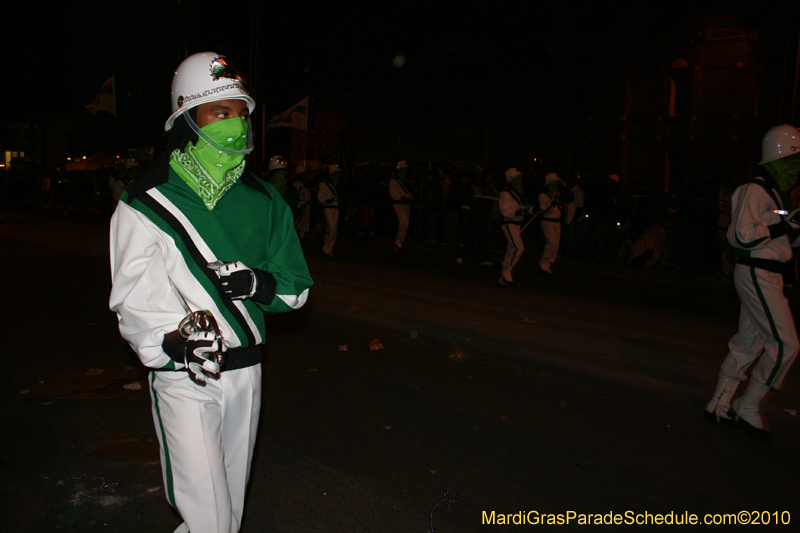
785	171
210	172
231	133
278	179
517	184
335	177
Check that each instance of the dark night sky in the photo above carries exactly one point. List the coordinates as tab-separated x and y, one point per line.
65	53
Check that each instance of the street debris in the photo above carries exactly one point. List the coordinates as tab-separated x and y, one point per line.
792	412
534	321
375	344
343	348
458	353
133	386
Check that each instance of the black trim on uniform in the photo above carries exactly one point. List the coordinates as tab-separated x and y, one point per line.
253	182
200	261
770	265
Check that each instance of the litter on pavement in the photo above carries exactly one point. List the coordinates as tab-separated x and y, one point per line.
375	344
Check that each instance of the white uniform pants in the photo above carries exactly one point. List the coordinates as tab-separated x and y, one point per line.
303	223
552	236
514	249
766	329
332	223
207	433
403	212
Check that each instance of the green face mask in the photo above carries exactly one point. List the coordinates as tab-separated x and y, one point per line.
230	133
517	184
209	171
335	177
785	171
553	187
278	179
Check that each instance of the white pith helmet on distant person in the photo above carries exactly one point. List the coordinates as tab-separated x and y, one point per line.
277	162
512	173
779	142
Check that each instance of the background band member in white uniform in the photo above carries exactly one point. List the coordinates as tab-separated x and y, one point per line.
512	208
302	223
329	199
761	235
200	249
401	193
552	197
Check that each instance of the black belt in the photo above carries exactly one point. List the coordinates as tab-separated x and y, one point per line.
771	265
551	220
242	357
235	358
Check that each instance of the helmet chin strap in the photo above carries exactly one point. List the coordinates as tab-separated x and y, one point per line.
203	135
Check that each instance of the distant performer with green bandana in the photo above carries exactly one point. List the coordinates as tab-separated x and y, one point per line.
200	249
762	231
278	176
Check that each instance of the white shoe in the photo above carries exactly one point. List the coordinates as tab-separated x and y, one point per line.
748	409
718	408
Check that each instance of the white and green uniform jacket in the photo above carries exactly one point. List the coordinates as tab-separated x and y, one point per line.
755	208
162	238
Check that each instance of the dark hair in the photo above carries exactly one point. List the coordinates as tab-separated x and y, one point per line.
181	134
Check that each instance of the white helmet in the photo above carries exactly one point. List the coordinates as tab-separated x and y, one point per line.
512	173
277	162
202	78
550	177
334	168
779	142
402	164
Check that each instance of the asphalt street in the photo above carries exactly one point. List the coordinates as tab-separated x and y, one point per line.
577	393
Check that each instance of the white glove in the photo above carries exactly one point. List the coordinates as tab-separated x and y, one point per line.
201	354
238	281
